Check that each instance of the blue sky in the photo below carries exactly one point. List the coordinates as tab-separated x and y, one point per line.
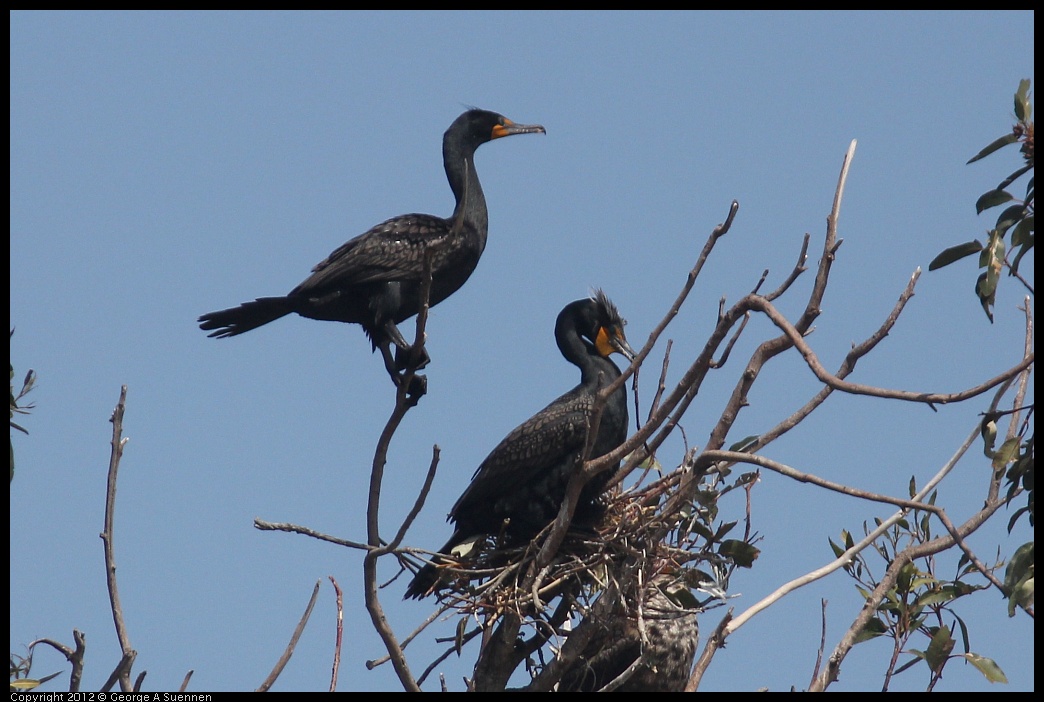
168	164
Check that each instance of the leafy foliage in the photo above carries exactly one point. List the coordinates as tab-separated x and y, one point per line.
1017	218
917	603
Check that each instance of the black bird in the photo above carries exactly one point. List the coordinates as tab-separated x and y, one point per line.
375	279
667	649
523	480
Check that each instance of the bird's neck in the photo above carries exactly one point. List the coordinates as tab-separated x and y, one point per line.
598	371
595	370
471	202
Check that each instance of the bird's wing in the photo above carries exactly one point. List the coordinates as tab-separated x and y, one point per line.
539	444
392	250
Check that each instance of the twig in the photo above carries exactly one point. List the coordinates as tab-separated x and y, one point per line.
715	641
822	638
418	504
262	525
285	658
340	634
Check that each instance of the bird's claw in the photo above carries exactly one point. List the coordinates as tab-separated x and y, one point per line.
412	358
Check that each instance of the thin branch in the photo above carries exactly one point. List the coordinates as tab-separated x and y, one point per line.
937	545
822	638
796	271
795	337
847	367
846	557
404	401
118	442
285	658
340	634
75	657
121	671
418	504
715	641
263	525
661	384
731	457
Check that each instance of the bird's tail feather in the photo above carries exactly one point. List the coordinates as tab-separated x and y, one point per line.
249	315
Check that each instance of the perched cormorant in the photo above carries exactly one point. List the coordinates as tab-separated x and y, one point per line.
375	279
523	480
667	649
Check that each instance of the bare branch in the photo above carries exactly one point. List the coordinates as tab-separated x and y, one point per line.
263	525
715	641
118	442
75	657
404	400
121	671
340	634
285	658
418	504
833	381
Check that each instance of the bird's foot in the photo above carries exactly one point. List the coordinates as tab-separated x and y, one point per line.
412	358
416	388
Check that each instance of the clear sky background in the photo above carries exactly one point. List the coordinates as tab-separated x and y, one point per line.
164	165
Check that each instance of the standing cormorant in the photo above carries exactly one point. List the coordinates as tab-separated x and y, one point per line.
375	279
519	487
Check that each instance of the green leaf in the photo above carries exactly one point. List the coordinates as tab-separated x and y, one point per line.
939	649
1021	596
1022	106
992	199
1023	231
741	553
744	443
458	638
874	628
994	145
946	593
1009	217
723	529
1018	578
1026	248
954	253
986	294
1006	453
683	597
987	667
906	576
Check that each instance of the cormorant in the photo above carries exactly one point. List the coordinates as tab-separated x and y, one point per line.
667	650
375	279
523	480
